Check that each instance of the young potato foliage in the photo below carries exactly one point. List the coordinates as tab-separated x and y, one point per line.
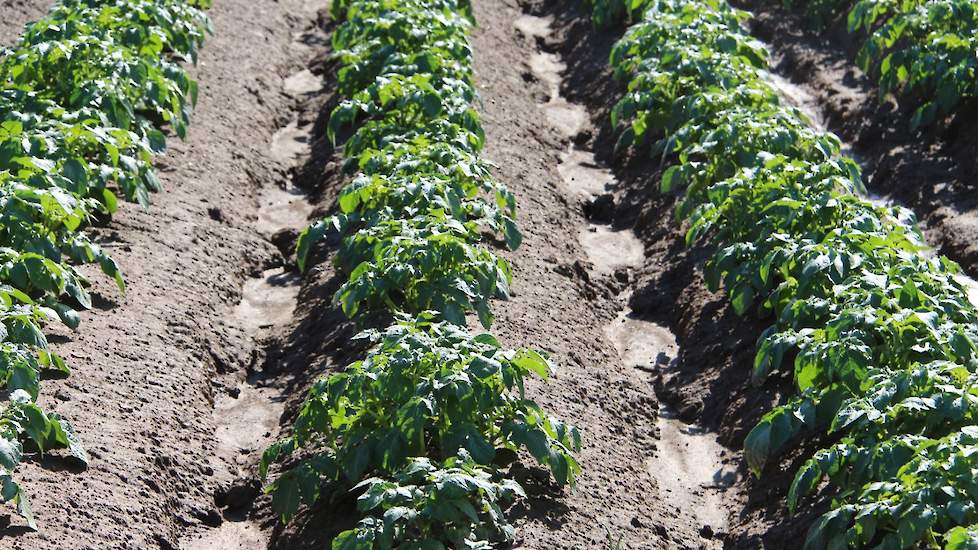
84	94
880	337
428	505
411	229
428	389
923	50
432	413
422	263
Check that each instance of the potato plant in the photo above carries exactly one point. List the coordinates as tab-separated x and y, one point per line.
880	337
424	426
427	505
427	389
923	50
85	95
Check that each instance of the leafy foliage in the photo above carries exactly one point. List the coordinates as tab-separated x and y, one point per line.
427	505
412	220
927	49
431	389
84	94
880	337
432	414
609	13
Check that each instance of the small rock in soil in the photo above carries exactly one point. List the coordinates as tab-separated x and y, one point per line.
601	209
212	518
564	269
583	270
582	138
284	240
164	542
622	275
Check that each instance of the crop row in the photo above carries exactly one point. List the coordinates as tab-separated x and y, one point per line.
880	337
84	94
424	426
924	51
925	48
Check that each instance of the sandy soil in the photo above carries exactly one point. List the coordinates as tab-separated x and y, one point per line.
149	366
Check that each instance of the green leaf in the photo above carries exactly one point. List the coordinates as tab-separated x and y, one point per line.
307	238
476	443
512	233
671	179
353	539
75	171
10	453
532	361
285	495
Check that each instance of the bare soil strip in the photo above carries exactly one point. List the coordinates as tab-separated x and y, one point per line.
248	419
640	466
14	14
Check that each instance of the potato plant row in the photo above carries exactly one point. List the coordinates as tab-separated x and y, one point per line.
880	337
84	95
423	428
923	50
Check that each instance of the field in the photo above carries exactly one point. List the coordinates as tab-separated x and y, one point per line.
488	274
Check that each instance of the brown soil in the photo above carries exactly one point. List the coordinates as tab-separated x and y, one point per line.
930	170
14	14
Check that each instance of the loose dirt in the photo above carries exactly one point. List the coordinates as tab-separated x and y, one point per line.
249	421
680	463
14	14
